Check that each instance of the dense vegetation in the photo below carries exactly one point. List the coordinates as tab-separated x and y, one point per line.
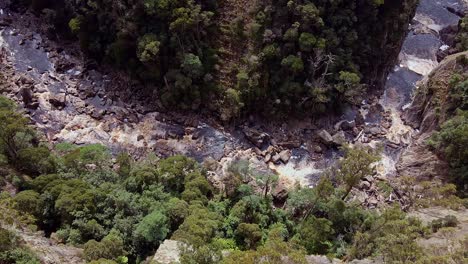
299	57
120	210
452	138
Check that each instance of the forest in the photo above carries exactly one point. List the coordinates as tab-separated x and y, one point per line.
119	210
229	61
330	52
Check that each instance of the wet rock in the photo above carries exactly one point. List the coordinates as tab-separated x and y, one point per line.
58	101
285	155
258	138
359	120
176	132
325	137
4	23
339	138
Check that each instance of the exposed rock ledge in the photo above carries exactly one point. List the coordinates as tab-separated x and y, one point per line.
418	161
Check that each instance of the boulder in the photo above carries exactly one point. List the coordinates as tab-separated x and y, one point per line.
276	158
58	101
339	138
325	137
258	138
168	252
318	149
348	125
98	113
285	155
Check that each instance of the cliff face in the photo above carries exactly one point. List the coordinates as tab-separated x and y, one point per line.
432	106
384	39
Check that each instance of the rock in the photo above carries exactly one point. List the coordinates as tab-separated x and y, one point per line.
339	138
26	95
56	239
4	23
140	137
259	139
280	192
276	158
267	158
168	252
359	120
91	167
285	155
33	105
318	149
290	144
58	101
372	201
364	185
176	132
258	152
98	113
375	131
325	137
348	125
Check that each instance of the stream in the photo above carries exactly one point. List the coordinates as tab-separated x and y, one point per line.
77	105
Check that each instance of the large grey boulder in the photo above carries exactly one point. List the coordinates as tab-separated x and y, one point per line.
325	137
168	252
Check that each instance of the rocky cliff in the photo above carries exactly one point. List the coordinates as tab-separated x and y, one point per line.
432	106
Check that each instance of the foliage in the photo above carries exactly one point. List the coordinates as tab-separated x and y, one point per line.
392	235
356	165
450	142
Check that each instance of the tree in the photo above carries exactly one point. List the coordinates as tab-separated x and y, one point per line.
177	210
199	227
152	229
392	235
266	181
36	160
29	201
249	235
307	41
302	202
148	48
14	131
316	234
192	66
293	63
450	141
356	165
111	248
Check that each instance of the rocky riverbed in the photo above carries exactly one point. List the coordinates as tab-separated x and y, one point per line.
71	101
